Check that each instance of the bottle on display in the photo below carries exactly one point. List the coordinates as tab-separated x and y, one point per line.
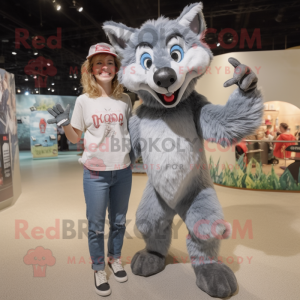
5	160
1	173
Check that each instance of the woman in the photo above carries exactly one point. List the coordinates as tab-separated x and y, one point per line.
279	150
102	111
61	139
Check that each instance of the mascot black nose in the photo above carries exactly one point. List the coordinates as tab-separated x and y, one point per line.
164	77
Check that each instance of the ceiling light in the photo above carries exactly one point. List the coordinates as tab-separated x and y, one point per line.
57	6
52	83
26	93
19	91
52	90
77	6
218	44
37	92
14	53
26	78
35	53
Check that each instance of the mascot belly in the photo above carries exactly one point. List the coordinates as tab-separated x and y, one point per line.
173	155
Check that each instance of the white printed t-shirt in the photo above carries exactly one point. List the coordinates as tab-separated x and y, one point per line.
106	140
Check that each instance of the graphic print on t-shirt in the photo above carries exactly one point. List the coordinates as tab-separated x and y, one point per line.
109	119
95	163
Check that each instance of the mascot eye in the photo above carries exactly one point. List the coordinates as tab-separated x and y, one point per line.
177	53
146	61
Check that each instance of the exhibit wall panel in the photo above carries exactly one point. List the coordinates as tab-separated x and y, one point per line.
10	179
41	103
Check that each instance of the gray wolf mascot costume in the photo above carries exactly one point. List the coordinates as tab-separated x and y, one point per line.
161	62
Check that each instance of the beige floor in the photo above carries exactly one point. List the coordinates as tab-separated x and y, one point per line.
268	266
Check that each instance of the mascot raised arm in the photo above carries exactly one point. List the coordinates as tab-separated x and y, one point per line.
161	62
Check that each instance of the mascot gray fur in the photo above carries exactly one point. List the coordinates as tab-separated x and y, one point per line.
161	62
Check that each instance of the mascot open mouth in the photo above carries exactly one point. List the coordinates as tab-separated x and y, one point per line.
168	100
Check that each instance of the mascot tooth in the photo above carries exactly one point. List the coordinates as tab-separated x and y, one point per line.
161	62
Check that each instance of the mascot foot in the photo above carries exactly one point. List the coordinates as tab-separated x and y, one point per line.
146	263
216	279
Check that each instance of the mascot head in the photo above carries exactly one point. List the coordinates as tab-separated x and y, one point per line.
162	60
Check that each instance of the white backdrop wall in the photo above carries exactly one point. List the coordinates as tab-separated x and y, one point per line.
278	75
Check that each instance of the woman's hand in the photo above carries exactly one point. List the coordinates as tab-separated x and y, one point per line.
61	116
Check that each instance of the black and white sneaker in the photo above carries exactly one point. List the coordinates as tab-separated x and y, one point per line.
119	272
101	284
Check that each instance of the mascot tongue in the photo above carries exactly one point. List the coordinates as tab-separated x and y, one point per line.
169	99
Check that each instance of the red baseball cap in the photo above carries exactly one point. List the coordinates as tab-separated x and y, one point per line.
268	122
102	48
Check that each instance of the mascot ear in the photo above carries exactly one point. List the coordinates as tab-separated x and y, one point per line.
193	18
118	34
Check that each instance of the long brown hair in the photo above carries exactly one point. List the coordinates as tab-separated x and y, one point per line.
89	83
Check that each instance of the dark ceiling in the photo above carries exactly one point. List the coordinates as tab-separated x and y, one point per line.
278	22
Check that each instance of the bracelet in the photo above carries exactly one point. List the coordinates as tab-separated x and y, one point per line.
62	121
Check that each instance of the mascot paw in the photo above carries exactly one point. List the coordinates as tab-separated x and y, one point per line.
146	263
216	279
242	77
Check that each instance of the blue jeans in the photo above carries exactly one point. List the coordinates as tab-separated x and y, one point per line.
106	189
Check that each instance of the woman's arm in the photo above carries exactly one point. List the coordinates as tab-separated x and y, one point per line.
72	134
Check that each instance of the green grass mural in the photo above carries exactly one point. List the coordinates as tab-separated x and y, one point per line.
242	177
